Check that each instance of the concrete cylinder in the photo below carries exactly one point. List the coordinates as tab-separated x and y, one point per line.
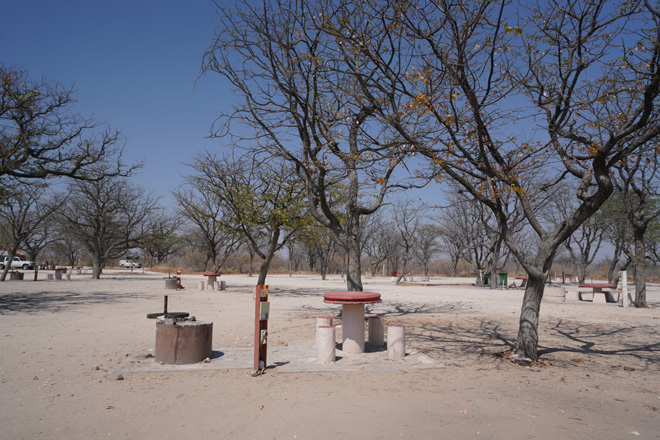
186	342
58	275
68	276
223	285
201	285
376	331
322	320
49	277
325	344
396	342
353	328
170	283
211	285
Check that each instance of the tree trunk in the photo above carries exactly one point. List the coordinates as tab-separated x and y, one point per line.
353	252
640	265
11	254
97	268
528	338
272	248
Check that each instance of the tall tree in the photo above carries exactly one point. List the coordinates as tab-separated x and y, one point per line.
300	98
508	107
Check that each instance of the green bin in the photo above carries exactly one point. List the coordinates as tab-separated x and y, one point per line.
503	279
486	280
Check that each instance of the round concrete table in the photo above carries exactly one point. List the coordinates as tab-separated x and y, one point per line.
352	316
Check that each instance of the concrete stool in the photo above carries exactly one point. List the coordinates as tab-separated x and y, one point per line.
49	277
211	285
573	295
376	331
325	344
201	285
186	342
170	283
554	294
223	285
396	342
322	321
68	276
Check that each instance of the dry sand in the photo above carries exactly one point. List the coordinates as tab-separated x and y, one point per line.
599	376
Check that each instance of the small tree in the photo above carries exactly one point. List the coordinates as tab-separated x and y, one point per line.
263	199
21	216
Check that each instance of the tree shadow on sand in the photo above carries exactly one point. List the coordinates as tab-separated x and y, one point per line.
35	302
594	346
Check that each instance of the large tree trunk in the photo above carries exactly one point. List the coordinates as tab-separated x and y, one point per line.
640	265
528	337
97	268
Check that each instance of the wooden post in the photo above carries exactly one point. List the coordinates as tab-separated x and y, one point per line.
261	311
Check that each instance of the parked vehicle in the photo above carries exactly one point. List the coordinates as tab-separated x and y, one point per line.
127	264
16	263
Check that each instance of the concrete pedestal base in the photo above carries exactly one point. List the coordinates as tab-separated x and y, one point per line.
353	328
186	342
600	298
396	342
573	295
325	344
211	285
376	331
554	294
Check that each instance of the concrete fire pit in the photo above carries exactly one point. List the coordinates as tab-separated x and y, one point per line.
183	342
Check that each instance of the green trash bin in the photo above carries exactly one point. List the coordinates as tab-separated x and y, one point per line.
486	280
503	279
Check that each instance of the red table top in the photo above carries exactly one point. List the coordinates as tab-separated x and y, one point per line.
351	297
598	285
212	274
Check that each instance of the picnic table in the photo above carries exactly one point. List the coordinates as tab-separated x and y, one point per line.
212	277
352	316
524	281
599	294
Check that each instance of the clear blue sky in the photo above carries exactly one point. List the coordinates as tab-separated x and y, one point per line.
134	65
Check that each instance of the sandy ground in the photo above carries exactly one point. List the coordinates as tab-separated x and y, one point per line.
599	376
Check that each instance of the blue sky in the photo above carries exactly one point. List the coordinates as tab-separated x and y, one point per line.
133	64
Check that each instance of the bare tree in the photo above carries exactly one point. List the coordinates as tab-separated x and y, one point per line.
206	229
22	214
639	183
108	217
162	239
301	98
427	245
41	137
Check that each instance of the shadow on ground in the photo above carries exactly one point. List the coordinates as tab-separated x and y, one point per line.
58	301
592	346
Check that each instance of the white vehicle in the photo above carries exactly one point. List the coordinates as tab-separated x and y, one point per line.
127	264
16	263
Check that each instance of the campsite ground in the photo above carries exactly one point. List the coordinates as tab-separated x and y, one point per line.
65	343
